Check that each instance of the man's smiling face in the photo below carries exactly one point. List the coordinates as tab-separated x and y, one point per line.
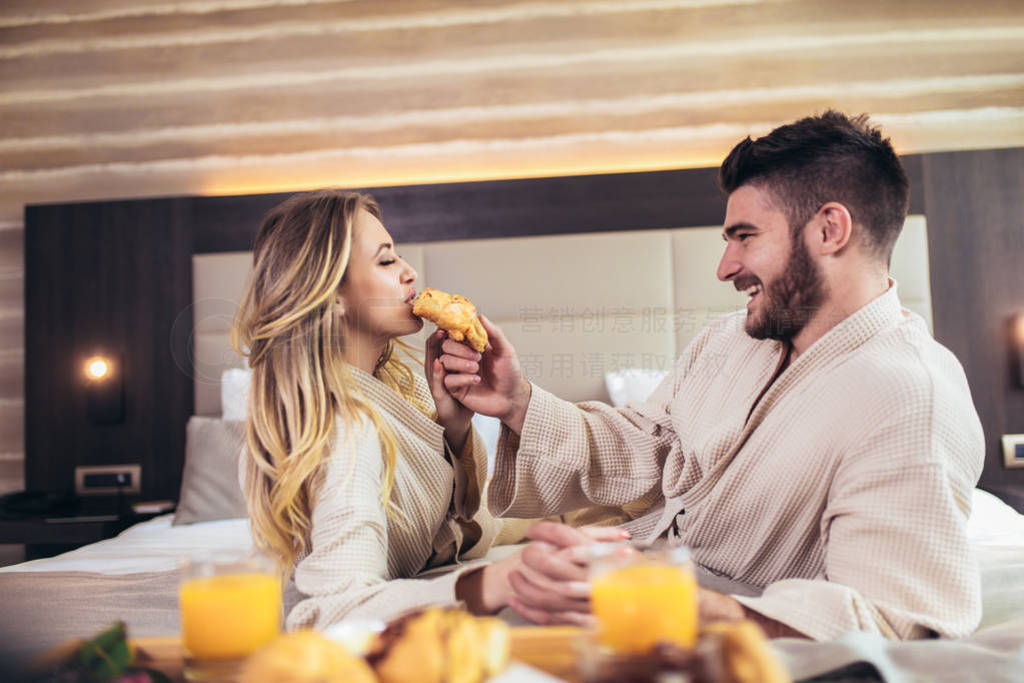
764	259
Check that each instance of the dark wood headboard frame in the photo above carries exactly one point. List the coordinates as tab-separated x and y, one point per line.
115	276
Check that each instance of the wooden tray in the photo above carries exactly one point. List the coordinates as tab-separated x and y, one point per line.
548	648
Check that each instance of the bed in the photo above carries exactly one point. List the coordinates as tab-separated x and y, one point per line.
581	336
134	577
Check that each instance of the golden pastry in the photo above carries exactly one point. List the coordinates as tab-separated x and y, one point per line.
440	645
452	313
745	652
305	657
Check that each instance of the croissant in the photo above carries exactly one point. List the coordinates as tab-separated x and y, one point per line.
305	656
452	313
440	645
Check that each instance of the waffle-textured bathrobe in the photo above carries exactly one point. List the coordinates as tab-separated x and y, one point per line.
843	491
363	563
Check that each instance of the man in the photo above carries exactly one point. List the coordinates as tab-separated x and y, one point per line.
819	446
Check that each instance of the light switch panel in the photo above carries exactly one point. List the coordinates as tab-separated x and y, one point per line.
1013	450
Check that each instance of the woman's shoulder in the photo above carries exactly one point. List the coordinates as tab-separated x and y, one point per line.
355	428
354	446
357	434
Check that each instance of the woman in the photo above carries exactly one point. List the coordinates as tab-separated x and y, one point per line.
356	477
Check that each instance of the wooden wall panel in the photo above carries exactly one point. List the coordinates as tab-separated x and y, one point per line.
500	208
508	208
107	278
975	209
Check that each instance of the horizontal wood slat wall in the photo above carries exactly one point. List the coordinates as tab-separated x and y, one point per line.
104	99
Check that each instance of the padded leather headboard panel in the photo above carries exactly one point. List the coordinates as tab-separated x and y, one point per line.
574	306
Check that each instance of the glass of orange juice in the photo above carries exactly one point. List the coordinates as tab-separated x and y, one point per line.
642	597
230	607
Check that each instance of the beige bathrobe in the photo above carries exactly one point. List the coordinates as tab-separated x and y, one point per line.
843	491
363	563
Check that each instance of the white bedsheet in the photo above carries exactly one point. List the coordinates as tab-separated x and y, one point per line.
150	546
996	531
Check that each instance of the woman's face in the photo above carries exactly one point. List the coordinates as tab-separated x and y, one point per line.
377	292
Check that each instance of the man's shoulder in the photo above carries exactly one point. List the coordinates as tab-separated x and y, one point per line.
906	355
913	380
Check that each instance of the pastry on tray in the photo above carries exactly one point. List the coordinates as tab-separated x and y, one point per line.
305	656
440	645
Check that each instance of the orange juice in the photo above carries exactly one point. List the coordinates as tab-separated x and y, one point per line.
642	604
229	615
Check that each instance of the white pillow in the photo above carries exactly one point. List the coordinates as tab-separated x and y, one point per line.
209	482
488	428
632	384
234	393
996	532
993	521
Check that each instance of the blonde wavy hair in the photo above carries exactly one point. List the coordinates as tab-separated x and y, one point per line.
289	328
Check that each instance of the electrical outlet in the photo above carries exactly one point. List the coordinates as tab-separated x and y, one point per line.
105	480
1013	450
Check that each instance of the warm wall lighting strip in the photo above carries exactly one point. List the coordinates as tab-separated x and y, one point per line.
624	106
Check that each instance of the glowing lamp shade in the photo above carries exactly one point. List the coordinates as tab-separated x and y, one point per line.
97	368
104	389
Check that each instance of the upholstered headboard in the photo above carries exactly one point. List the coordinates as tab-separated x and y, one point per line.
574	306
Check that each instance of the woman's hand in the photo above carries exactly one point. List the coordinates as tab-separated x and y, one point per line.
491	385
487	590
452	415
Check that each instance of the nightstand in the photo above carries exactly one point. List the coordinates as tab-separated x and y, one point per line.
75	523
43	537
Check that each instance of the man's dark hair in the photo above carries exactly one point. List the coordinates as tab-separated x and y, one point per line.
827	158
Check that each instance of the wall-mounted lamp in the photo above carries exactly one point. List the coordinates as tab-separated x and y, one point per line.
104	389
1017	345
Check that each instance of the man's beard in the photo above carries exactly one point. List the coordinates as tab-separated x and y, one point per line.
791	300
